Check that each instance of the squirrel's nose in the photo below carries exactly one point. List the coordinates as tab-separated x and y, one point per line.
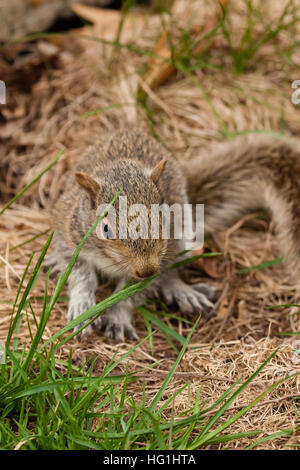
145	272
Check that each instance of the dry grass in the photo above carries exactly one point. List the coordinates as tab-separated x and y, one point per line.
192	112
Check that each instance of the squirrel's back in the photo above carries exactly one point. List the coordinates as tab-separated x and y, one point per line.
248	175
245	175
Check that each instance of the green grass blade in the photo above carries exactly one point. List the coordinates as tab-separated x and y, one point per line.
17	196
192	259
161	325
223	408
271	437
266	264
167	380
92	313
208	436
28	288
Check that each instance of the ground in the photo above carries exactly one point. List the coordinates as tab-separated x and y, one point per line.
240	84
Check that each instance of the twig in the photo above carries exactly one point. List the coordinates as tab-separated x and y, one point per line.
228	314
196	374
262	403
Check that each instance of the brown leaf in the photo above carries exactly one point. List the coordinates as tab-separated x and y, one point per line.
101	17
105	22
11	128
17	112
210	265
37	2
159	70
242	309
223	308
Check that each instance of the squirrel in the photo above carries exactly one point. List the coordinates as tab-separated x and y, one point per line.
240	177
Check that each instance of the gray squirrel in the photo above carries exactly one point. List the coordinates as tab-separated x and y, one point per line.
240	177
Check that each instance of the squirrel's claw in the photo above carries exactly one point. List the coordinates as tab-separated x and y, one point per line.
116	324
56	262
76	308
207	290
189	299
85	333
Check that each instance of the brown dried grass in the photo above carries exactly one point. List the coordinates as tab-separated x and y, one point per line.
87	75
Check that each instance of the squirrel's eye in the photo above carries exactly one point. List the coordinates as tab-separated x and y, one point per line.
104	230
107	232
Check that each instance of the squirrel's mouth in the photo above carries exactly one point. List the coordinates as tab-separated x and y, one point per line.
145	271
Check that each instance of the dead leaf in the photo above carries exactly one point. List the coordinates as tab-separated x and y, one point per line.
11	128
17	112
242	309
223	308
158	68
159	71
105	22
210	265
37	2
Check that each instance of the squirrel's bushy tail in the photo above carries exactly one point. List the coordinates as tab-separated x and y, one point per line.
250	174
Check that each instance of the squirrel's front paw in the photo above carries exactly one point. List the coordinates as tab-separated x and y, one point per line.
116	324
76	308
56	262
189	298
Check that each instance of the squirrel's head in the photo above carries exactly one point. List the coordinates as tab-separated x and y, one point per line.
130	236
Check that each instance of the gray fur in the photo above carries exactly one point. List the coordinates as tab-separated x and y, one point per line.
244	176
124	160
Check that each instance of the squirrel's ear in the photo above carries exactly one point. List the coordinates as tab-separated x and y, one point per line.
157	171
88	183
